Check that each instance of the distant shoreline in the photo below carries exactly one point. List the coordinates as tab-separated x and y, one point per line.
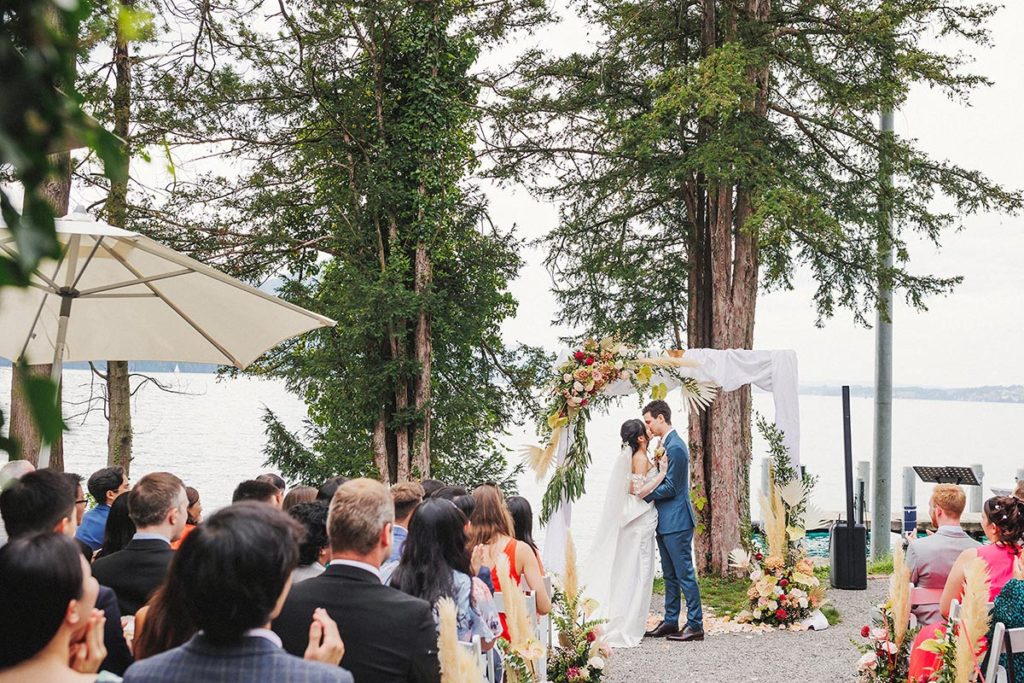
1013	393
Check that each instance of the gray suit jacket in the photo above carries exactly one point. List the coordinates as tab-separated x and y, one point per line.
930	560
252	661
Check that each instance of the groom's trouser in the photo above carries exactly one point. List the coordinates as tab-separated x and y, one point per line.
677	566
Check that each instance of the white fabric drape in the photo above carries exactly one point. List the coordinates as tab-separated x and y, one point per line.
730	369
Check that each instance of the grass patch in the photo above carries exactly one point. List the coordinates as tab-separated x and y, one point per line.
832	614
881	566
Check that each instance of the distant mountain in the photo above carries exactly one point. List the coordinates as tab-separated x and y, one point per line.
990	394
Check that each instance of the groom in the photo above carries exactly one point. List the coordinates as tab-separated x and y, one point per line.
675	530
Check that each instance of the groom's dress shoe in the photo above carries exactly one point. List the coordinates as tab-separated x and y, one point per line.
663	629
687	635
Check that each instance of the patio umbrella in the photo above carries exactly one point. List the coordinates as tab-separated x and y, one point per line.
119	295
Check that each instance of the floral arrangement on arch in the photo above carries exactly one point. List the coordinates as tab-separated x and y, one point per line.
577	386
886	648
580	654
783	588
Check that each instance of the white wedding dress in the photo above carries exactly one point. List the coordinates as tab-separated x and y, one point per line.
619	572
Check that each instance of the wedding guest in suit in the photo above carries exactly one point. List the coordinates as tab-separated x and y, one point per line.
389	636
329	487
260	491
276	479
194	513
234	573
105	486
298	494
44	501
676	523
522	523
314	549
492	527
930	559
81	502
407	496
158	507
119	529
49	628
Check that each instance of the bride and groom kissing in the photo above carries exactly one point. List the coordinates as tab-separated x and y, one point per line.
648	504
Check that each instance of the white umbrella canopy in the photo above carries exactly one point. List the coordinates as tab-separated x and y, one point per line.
118	295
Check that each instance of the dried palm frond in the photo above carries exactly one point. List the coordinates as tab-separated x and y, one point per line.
792	492
813	518
541	459
739	559
974	619
899	595
774	519
667	362
698	395
457	665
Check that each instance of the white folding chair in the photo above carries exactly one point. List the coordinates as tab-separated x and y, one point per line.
475	649
1010	641
954	611
922	596
530	598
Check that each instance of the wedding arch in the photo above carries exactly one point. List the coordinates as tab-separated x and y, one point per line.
605	370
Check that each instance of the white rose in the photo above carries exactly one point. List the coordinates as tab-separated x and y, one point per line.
867	662
595	663
778	591
567	377
578	386
756	575
879	634
803	603
889	647
772	605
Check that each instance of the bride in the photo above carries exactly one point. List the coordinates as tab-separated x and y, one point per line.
620	570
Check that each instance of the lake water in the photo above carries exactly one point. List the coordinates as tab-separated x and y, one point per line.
212	436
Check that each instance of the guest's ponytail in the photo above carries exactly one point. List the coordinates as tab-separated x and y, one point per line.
1006	513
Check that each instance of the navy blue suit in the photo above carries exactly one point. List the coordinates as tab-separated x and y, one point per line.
676	523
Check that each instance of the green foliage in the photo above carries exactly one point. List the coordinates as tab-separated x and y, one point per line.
881	566
568	482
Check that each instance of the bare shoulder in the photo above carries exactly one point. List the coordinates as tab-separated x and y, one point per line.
640	463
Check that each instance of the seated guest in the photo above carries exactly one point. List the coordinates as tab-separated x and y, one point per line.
298	494
522	524
407	496
15	469
1002	520
105	486
119	529
49	627
259	491
389	636
431	486
436	564
194	514
492	527
314	550
466	504
1008	610
233	575
44	501
329	487
449	492
163	622
279	483
81	502
157	506
930	559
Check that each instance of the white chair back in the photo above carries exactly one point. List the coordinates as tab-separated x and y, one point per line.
475	649
530	598
995	673
954	611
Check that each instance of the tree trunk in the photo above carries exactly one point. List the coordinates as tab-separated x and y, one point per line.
119	413
424	278
57	191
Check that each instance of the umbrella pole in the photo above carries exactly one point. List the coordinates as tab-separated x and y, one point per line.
57	367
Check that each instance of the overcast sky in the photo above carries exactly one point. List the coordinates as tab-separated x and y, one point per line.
970	338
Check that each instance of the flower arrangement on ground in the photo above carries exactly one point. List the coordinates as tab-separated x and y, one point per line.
580	654
783	588
886	650
577	386
962	648
521	652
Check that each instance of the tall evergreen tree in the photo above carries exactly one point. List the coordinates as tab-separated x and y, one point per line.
704	150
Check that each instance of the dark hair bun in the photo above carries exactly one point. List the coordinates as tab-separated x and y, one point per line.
631	431
1007	514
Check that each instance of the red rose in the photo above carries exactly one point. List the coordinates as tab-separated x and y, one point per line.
783	583
865	631
591	636
579	355
584	402
590	360
781	614
758	557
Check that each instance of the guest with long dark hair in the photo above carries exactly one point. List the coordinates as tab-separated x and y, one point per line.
522	523
119	528
47	612
163	622
436	564
194	514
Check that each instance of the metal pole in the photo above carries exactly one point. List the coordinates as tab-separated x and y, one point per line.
976	494
848	456
882	456
864	474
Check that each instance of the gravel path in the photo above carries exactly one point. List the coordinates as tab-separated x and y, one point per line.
777	657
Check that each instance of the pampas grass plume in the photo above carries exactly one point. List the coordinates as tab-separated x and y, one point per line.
974	619
571	583
457	665
899	595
